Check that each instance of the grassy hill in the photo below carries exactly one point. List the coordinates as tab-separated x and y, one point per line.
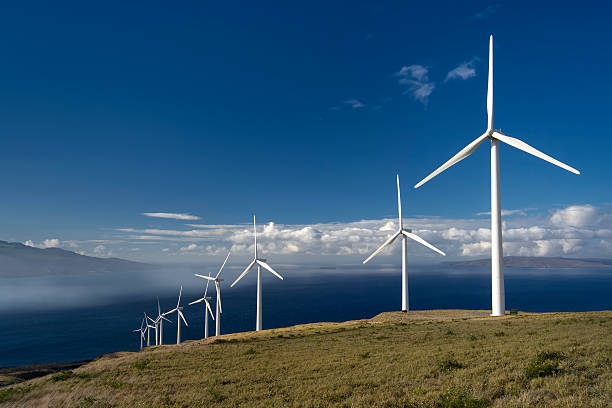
449	358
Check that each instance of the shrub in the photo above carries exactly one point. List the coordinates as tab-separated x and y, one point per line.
141	364
499	334
62	376
449	363
455	398
365	354
544	364
215	395
250	351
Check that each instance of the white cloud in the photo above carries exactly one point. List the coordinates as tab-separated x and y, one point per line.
578	230
173	216
576	216
416	78
507	212
464	71
354	103
101	252
47	243
486	13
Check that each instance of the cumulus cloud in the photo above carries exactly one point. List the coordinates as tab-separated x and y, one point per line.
577	230
101	252
464	71
47	243
173	216
416	78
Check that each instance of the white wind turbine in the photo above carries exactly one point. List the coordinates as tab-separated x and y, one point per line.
149	327
217	281
141	330
260	263
159	324
405	234
495	136
179	315
206	300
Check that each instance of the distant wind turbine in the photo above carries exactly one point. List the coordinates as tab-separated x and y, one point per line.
149	327
159	323
405	234
140	330
206	300
260	263
495	136
217	281
179	315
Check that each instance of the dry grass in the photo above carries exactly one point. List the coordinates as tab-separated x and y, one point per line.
419	359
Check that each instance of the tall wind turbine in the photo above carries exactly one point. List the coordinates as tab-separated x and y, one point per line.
206	300
495	136
217	281
149	327
179	315
260	263
405	234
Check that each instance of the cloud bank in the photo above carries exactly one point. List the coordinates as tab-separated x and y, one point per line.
173	216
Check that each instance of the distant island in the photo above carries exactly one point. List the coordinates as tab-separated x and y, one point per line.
540	262
19	260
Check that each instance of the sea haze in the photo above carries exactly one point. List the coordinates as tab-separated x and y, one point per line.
44	333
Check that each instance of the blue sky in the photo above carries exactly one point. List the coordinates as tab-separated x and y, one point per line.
296	113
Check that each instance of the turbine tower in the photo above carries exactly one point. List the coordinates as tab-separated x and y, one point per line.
149	327
260	263
159	325
179	315
217	281
498	306
206	300
405	234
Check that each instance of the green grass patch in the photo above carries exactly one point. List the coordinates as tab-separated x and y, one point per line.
449	364
141	364
455	398
62	376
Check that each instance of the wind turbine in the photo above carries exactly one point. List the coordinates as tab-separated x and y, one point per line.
206	300
141	330
217	281
404	234
159	323
179	315
260	263
149	327
495	136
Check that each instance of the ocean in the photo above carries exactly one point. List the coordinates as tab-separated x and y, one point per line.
47	334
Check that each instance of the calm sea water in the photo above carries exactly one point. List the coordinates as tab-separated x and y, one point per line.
71	334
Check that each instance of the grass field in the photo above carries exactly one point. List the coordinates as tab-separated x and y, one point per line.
418	359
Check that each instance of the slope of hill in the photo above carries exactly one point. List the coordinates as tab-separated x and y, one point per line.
416	359
17	259
540	262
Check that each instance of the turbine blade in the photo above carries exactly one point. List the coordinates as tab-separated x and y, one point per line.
219	299
158	308
255	234
200	300
383	246
182	317
422	241
268	267
179	299
166	319
399	204
465	152
490	87
519	144
210	310
204	276
206	290
248	268
226	258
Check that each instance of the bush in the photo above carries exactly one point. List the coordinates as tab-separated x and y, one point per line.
250	351
455	398
544	364
365	354
141	364
62	376
449	363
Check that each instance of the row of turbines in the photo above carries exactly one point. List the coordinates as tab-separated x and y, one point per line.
497	269
157	324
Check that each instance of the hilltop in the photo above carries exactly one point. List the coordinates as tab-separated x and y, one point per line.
19	260
447	358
